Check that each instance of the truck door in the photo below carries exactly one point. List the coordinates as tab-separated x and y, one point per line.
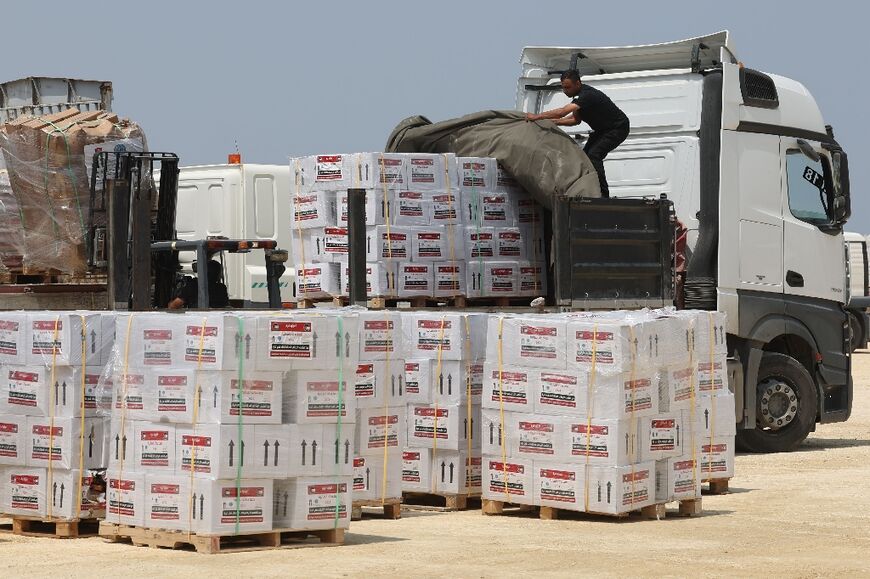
813	260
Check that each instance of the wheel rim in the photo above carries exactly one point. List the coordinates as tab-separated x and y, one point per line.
778	403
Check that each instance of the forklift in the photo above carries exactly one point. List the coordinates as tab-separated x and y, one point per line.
131	234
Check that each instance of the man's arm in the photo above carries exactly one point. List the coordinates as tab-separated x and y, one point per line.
176	304
554	114
568	121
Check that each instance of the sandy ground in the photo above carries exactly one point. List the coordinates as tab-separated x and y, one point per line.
802	514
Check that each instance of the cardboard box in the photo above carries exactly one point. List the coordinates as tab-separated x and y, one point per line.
447	209
493	433
380	279
339	172
714	415
378	206
417	470
443	427
416	279
13	337
457	382
380	336
125	498
25	390
149	341
538	437
436	244
624	395
169	395
716	457
713	377
272	449
673	343
493	278
413	208
13	440
386	242
534	342
619	345
604	442
107	322
377	427
510	244
536	243
678	388
36	492
528	211
258	396
418	380
505	182
339	443
302	341
561	393
216	451
317	396
710	333
318	280
512	481
377	382
56	338
168	500
490	208
312	209
678	479
477	174
228	339
511	389
230	506
62	441
432	172
456	336
663	436
131	392
456	472
532	281
154	448
479	242
450	279
322	245
313	503
307	448
620	489
369	482
560	485
121	453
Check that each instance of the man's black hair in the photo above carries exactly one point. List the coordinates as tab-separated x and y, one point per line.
573	75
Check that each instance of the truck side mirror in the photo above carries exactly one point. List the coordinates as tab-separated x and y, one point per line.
841	205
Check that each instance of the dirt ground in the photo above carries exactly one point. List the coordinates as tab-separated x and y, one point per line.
802	514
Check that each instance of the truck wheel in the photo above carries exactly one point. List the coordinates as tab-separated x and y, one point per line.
786	406
857	338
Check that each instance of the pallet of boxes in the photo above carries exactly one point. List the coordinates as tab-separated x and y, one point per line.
605	413
438	228
52	436
231	432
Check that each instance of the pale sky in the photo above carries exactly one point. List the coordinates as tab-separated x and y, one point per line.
301	78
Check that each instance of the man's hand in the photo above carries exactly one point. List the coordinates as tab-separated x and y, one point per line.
532	117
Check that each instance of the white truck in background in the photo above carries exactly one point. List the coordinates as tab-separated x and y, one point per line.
238	201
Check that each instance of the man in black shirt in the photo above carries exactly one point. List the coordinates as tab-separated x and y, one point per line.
187	296
608	123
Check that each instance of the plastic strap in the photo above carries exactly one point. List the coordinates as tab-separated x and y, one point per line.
504	469
633	421
240	421
479	220
51	405
125	379
388	372
82	418
338	428
693	411
469	381
451	232
438	371
590	402
711	337
196	401
299	228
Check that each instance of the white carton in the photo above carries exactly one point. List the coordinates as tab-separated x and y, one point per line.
610	345
455	336
125	498
120	453
450	279
512	481
512	388
321	245
412	208
673	341
13	338
63	442
380	279
29	390
493	434
148	341
560	485
624	395
312	209
257	396
418	380
272	449
505	182
228	506
378	206
56	338
716	457
377	380
339	442
377	428
318	280
417	470
487	208
621	489
713	377
676	385
317	396
217	341
107	322
307	341
510	243
443	427
535	342
710	333
662	436
339	172
369	482
456	472
479	243
447	210
603	441
477	173
532	279
436	244
538	437
167	502
24	390
714	415
171	394
380	335
216	451
493	278
13	440
313	503
154	448
307	448
131	392
432	172
536	244
416	279
561	392
36	492
677	479
385	242
457	382
528	212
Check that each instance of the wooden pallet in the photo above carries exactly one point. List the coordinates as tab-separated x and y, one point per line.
459	302
308	303
717	486
54	528
211	544
47	277
687	508
438	502
392	508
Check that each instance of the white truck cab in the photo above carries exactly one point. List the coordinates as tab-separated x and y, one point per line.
238	201
762	186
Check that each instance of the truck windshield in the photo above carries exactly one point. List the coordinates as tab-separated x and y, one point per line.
807	188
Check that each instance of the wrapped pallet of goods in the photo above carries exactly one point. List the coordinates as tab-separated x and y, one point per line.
232	428
53	436
443	382
604	412
433	224
48	160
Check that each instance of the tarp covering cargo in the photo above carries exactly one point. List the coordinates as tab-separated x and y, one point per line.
543	159
47	159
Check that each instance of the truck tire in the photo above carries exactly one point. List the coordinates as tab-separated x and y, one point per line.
787	406
857	338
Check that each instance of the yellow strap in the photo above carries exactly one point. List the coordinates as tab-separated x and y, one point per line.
196	400
388	375
51	412
82	419
693	411
710	334
632	427
451	232
504	469
125	382
299	229
438	370
590	403
387	218
469	380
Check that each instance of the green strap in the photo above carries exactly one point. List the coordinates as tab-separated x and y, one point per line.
240	421
478	219
340	410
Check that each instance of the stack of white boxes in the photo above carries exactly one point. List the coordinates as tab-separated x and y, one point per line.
604	412
51	436
437	226
227	423
443	382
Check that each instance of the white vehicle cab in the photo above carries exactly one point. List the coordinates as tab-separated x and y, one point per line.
762	186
